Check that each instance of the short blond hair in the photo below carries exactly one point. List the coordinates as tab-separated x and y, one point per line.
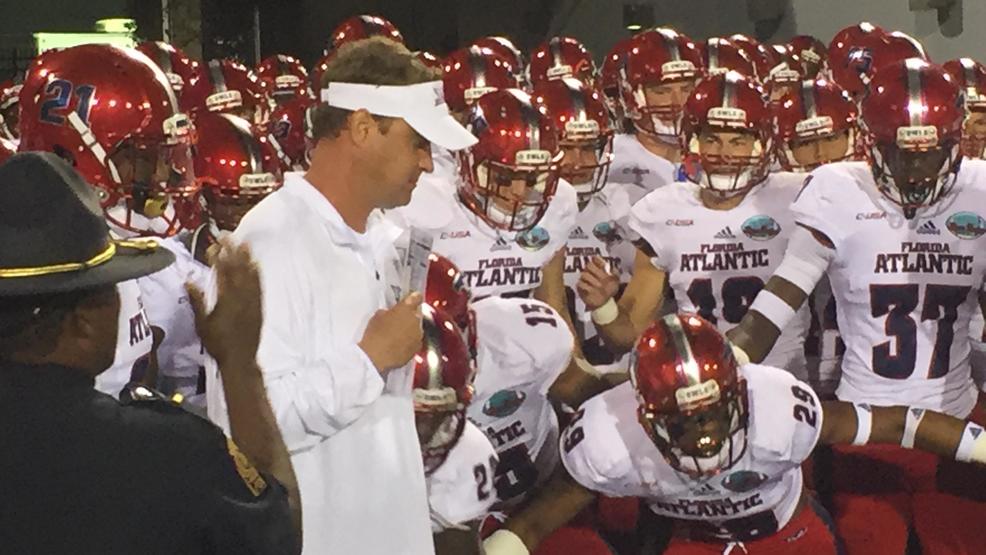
372	61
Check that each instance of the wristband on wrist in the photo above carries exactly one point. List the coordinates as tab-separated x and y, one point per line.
606	314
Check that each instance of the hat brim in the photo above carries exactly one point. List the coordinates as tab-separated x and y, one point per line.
127	263
443	131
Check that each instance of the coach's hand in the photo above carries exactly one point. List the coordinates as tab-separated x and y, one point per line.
392	336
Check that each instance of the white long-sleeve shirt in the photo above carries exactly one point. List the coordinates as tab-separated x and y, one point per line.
351	435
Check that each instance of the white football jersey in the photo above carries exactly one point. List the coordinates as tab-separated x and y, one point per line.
977	357
181	358
461	489
637	169
905	289
718	260
492	262
134	341
600	230
606	449
524	345
825	377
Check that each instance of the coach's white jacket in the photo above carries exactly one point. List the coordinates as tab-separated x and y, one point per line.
351	436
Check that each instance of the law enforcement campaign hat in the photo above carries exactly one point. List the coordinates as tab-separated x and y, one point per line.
53	237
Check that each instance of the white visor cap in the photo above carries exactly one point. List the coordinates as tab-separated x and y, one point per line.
421	105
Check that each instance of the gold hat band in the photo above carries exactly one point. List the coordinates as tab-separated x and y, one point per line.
105	256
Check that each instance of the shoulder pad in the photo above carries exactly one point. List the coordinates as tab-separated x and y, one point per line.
785	413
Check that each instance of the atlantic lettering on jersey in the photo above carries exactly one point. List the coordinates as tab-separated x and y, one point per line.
724	256
502	271
928	258
709	508
577	259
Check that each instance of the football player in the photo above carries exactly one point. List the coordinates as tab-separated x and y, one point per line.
10	111
521	347
559	58
361	27
609	84
717	446
971	78
286	78
586	139
818	124
229	87
506	222
291	133
659	71
810	52
714	239
111	112
236	169
901	240
468	74
177	67
459	461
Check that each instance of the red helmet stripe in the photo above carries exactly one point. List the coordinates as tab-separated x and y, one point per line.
729	90
808	99
216	76
915	91
688	369
713	48
477	66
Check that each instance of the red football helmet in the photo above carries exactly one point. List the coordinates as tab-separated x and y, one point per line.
757	53
811	52
693	403
656	58
444	371
609	77
728	103
179	68
237	170
970	75
290	133
228	87
318	70
471	72
815	112
785	71
361	27
561	57
509	176
913	114
446	290
584	133
10	114
286	78
851	54
112	113
722	55
506	49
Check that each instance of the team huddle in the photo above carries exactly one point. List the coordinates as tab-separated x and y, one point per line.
709	297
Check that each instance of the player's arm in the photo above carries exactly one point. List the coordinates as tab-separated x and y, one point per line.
911	428
558	502
456	542
552	291
809	253
621	322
